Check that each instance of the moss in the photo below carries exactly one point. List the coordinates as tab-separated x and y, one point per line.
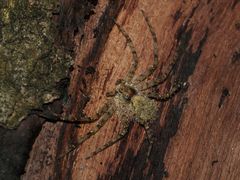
30	63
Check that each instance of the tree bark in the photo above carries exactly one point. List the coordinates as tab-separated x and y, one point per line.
198	129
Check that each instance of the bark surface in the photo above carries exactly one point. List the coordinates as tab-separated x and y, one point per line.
198	129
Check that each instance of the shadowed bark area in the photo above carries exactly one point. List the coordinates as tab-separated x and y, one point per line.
198	129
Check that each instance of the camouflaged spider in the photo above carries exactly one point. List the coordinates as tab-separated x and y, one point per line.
129	101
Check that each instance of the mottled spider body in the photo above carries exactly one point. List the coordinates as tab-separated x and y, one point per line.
129	100
133	104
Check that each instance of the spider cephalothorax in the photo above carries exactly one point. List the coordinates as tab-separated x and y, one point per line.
125	90
129	100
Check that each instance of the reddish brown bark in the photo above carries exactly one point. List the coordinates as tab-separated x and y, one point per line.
198	130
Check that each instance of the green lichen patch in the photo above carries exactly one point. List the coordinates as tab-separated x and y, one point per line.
30	62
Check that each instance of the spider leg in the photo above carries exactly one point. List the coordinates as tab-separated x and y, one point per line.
101	122
153	67
85	119
150	138
161	79
51	116
121	135
98	115
134	64
111	93
167	95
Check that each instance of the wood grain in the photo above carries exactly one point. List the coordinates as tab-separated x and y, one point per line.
197	131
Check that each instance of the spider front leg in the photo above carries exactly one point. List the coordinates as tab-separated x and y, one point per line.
153	67
98	115
121	135
167	95
161	79
85	119
134	64
51	116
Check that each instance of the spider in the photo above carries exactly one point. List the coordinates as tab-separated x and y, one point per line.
129	101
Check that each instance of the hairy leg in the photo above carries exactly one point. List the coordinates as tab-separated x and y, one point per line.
51	116
153	67
99	113
134	64
159	80
99	125
167	95
86	120
150	138
101	122
123	132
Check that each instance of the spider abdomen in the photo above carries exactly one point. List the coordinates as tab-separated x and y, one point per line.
145	109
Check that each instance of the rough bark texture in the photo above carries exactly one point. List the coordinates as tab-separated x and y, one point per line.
197	131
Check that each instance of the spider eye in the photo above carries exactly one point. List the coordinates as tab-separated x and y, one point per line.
119	81
127	97
121	89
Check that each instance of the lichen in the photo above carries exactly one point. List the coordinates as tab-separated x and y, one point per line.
30	62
